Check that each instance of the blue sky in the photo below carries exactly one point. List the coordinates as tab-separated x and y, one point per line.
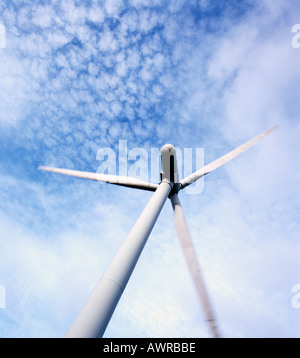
77	76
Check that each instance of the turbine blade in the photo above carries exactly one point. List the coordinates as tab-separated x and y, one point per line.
192	262
112	179
222	160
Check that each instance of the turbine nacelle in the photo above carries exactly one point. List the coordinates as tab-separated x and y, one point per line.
169	169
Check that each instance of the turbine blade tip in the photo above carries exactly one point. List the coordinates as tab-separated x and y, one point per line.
42	167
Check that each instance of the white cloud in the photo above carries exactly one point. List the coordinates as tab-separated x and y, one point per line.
96	14
129	21
107	41
42	16
74	15
113	7
121	69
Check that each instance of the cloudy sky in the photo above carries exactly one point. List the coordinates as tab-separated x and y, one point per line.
78	76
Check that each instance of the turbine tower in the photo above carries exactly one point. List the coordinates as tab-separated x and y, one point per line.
92	320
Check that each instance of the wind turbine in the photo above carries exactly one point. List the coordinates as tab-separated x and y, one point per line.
92	320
